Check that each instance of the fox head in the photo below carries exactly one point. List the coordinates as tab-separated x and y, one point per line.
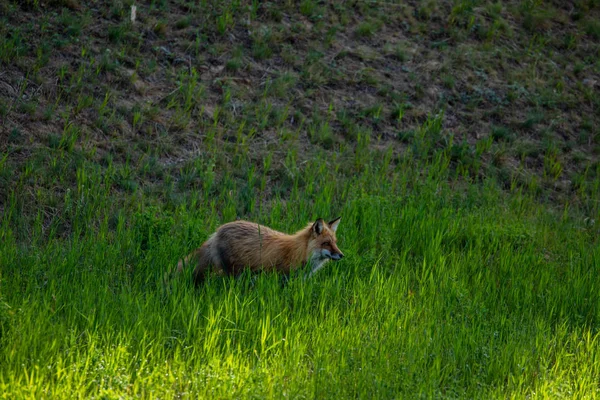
322	244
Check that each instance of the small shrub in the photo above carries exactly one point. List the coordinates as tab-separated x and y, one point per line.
366	29
502	134
592	28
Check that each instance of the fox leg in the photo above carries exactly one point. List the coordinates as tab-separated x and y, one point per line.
317	265
203	261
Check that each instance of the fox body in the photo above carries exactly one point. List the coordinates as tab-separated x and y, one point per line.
238	245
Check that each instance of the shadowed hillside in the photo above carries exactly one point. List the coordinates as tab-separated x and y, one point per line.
506	90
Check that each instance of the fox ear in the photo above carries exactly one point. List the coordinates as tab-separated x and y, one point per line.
318	226
334	224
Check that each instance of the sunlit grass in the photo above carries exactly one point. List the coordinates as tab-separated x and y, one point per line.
442	293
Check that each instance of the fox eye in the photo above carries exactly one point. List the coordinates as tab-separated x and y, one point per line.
326	243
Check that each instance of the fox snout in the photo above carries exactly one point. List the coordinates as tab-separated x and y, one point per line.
336	254
332	255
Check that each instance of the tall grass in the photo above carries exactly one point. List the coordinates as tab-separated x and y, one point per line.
444	292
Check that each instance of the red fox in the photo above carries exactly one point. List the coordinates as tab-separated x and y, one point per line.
242	244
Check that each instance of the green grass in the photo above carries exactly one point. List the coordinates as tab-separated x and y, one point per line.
441	294
458	141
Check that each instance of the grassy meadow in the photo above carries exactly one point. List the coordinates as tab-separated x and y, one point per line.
458	141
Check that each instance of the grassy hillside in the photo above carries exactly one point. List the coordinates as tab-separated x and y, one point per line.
458	140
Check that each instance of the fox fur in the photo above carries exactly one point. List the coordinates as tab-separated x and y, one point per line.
240	245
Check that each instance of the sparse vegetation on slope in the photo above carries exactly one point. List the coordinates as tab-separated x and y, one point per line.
515	86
